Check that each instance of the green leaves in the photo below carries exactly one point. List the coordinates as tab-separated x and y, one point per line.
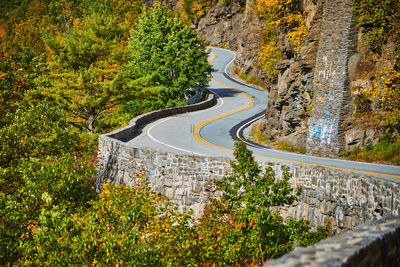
84	63
246	222
135	226
52	92
131	226
166	56
380	18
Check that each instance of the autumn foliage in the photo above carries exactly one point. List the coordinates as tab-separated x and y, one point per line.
381	22
67	69
134	226
279	15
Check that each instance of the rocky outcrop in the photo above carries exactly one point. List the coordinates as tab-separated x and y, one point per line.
236	27
290	98
291	95
294	93
362	131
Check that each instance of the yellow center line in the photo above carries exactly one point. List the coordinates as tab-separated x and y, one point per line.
198	138
197	127
215	56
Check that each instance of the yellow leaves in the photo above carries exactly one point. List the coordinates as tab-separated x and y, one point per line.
299	33
268	57
272	8
278	15
198	9
386	90
191	11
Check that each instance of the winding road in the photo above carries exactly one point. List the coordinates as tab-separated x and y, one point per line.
211	132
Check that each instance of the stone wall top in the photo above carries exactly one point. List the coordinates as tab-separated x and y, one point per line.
374	243
127	132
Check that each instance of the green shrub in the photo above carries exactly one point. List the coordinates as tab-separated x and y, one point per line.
244	226
134	226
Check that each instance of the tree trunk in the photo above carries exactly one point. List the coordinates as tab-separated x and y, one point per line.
91	119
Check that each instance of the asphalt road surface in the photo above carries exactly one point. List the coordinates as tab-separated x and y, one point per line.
211	132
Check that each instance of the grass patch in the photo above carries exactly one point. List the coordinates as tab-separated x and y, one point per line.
258	135
287	147
249	78
386	151
262	138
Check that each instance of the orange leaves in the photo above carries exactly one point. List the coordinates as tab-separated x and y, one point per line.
3	31
241	225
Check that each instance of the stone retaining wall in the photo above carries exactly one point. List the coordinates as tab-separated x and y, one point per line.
376	243
339	198
330	106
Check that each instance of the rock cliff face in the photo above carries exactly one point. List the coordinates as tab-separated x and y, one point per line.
362	132
293	95
237	27
332	103
290	98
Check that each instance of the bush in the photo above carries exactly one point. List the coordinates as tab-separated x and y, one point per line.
134	226
244	226
125	226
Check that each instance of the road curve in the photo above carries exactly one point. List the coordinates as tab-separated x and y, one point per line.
211	132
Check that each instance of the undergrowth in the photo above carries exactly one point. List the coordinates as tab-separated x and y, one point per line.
249	78
258	135
262	138
386	151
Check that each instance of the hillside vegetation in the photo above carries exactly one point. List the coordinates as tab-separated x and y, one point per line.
70	70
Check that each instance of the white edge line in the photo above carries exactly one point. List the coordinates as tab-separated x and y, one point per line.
162	143
245	125
162	121
226	67
220	98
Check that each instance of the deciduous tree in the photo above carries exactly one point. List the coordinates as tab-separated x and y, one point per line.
83	67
